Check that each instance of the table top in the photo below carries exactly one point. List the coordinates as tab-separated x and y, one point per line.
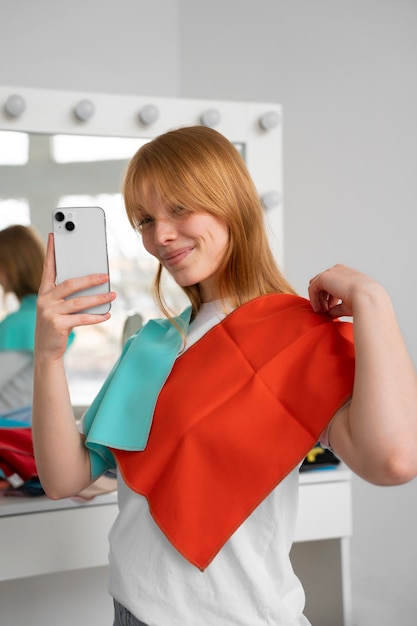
23	505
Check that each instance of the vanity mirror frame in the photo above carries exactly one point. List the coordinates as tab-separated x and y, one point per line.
256	128
256	125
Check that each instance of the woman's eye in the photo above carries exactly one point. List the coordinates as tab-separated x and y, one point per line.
179	210
146	219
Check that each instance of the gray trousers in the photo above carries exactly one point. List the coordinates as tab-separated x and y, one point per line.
123	617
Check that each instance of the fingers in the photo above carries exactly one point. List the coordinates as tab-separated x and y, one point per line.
338	290
75	304
319	297
68	287
57	315
87	319
62	293
61	307
319	300
339	310
328	290
68	299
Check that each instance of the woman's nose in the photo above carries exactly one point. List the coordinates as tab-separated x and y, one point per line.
164	231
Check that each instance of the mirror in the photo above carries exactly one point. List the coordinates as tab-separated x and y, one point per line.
70	149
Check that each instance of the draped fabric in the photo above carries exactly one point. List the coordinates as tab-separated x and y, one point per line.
121	414
236	413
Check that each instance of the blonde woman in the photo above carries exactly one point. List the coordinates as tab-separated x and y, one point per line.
209	414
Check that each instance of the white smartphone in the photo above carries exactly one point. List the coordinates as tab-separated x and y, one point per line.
81	247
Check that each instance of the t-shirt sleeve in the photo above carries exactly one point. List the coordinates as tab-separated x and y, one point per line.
101	459
325	435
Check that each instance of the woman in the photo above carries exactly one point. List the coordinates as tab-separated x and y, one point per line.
22	254
208	415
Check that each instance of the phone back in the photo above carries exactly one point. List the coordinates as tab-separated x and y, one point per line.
81	247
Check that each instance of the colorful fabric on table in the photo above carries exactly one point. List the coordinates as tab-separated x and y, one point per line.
17	460
236	413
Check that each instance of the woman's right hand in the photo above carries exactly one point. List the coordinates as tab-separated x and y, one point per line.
57	315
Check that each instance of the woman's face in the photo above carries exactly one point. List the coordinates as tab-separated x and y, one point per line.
191	246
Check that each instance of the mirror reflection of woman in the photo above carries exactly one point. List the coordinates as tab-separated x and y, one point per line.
22	254
208	415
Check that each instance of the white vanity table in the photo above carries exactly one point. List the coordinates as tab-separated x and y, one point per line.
40	537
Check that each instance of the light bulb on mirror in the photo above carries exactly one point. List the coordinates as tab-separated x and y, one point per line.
149	114
270	199
84	110
15	105
269	120
210	118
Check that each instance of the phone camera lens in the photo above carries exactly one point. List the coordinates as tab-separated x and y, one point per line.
70	225
59	216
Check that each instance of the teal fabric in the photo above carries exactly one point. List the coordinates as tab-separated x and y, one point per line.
17	330
122	412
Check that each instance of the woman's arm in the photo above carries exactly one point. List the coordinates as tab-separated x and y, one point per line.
376	435
61	457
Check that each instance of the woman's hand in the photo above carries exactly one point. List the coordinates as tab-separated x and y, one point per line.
340	290
58	313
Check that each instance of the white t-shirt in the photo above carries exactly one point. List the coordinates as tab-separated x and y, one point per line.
249	583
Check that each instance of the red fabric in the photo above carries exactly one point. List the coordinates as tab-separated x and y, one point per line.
241	408
16	452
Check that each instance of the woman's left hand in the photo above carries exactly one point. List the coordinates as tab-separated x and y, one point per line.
337	290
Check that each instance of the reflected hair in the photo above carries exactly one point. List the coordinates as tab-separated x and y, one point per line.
22	254
197	168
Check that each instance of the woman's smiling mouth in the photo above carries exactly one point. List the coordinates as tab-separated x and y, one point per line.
176	256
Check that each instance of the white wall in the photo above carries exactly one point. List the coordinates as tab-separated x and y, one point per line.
123	46
345	72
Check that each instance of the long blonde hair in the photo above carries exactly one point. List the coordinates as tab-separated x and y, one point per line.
198	168
22	254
